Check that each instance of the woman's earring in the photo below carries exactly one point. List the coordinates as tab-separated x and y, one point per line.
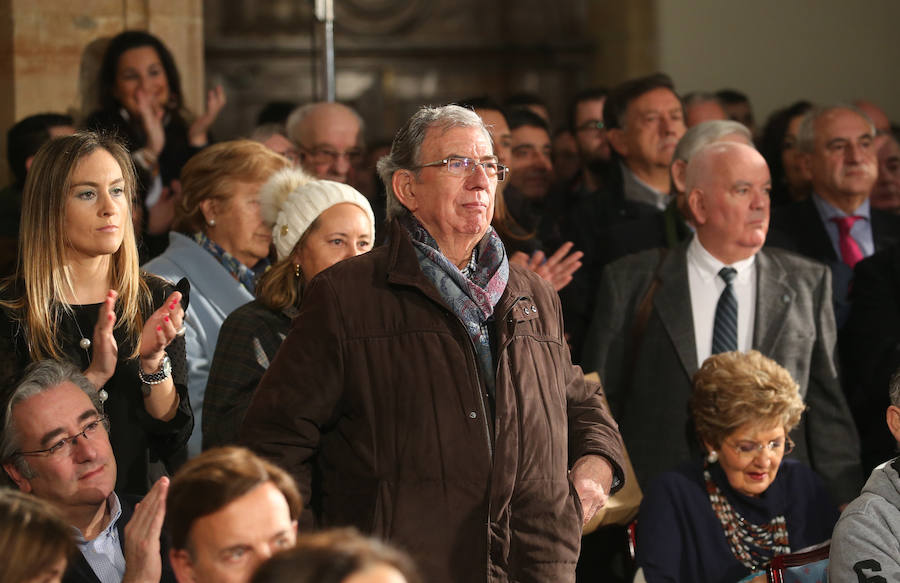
211	222
297	270
712	457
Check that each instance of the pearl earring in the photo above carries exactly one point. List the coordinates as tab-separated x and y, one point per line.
713	457
211	222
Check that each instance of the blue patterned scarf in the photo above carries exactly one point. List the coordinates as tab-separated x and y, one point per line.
246	276
471	295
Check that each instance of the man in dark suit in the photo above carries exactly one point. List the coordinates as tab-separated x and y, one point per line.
643	120
55	446
870	343
836	225
656	322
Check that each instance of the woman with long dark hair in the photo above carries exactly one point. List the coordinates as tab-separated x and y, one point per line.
141	101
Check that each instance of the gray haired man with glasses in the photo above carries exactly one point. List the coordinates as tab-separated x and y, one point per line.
428	386
55	446
330	139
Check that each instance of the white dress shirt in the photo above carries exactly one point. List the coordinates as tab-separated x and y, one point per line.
706	286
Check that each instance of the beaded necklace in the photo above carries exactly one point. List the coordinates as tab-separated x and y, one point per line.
753	545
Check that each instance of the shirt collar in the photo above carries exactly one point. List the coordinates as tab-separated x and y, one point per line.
640	190
472	265
709	267
828	211
115	512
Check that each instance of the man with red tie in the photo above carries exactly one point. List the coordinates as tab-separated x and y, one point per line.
836	224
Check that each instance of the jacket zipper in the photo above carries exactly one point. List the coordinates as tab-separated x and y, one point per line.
484	420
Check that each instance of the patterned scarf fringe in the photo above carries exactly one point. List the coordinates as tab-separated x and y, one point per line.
751	544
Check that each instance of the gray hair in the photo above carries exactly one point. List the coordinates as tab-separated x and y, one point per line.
407	146
697	97
706	133
39	377
894	389
265	131
806	131
295	120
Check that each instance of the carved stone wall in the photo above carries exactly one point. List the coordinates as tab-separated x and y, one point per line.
394	55
44	43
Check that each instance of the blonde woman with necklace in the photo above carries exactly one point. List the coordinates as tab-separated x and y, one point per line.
78	295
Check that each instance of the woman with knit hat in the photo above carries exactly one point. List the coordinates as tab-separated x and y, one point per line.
316	224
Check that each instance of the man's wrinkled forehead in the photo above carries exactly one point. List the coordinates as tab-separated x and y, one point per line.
724	163
438	142
842	123
331	127
654	99
39	428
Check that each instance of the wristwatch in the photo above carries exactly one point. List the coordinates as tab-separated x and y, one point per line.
154	378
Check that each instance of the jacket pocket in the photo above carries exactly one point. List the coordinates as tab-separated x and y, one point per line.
382	511
576	500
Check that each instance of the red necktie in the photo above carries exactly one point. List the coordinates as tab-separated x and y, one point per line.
851	254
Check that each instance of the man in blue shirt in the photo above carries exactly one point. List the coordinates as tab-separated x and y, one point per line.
55	445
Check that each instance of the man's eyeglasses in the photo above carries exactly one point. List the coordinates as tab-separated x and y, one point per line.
460	166
330	156
64	446
750	449
592	125
292	155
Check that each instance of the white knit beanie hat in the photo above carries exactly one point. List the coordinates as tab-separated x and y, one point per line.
292	200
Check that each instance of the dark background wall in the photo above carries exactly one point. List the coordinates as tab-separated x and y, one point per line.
394	55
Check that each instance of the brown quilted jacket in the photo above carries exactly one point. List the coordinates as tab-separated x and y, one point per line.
375	404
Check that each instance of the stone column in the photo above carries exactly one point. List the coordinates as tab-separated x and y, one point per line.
50	51
625	35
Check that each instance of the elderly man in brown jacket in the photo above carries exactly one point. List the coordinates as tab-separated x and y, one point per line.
425	393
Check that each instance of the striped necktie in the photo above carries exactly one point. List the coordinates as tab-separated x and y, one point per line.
725	326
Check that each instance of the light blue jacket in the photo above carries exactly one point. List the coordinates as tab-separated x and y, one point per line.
214	295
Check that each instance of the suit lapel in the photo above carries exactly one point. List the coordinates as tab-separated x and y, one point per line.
673	305
814	235
773	301
884	229
79	571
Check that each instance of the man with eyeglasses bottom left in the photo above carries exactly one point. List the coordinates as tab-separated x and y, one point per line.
55	445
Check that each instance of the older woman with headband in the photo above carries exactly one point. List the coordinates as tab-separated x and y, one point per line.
723	517
316	224
221	244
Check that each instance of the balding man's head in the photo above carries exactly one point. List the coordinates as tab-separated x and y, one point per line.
728	188
879	118
838	146
329	136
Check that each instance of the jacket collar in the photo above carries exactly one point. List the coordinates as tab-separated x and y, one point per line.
79	570
403	269
670	300
207	275
403	265
774	297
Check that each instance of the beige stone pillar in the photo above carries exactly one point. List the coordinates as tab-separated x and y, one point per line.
42	43
626	37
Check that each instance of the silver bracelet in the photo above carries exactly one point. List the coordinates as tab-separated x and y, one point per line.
164	372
